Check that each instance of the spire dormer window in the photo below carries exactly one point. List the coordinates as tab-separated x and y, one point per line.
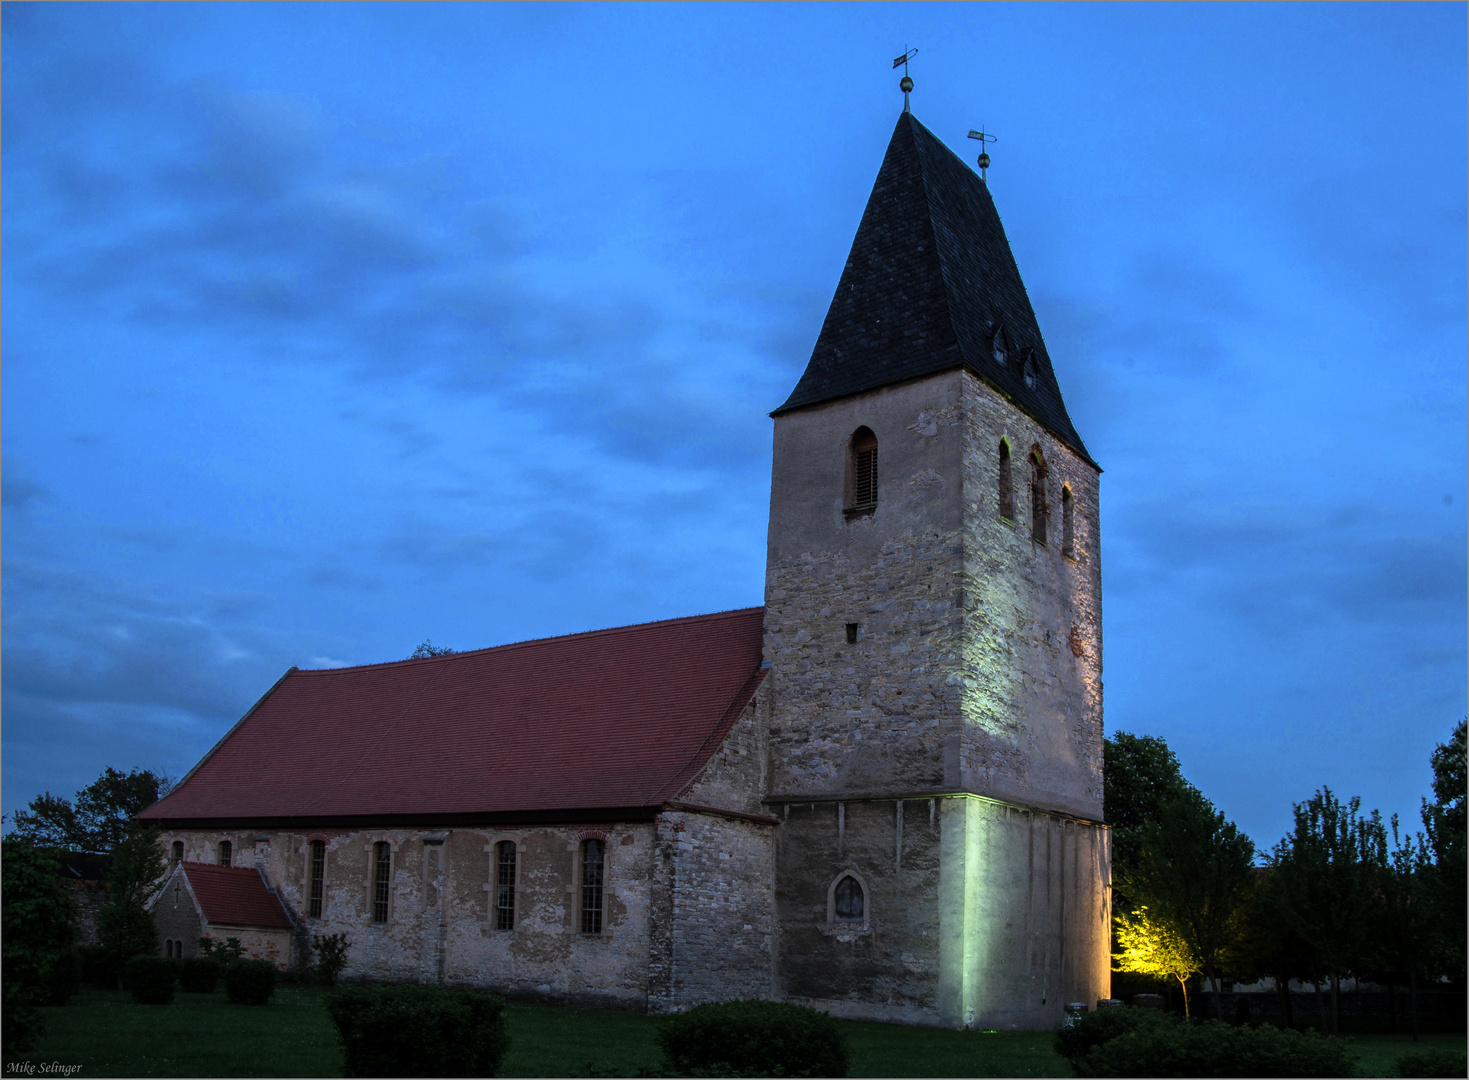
998	349
1030	368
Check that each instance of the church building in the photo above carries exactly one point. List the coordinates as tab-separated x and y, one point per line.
879	794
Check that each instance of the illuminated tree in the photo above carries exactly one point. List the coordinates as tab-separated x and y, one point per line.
1147	946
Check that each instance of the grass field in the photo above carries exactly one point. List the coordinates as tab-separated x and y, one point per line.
106	1034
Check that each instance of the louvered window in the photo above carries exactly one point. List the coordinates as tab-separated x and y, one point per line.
226	852
317	885
1040	509
1068	528
1007	483
505	885
592	863
381	878
862	469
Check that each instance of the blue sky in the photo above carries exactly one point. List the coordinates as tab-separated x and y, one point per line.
332	328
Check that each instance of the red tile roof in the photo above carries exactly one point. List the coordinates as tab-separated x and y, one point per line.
611	718
234	896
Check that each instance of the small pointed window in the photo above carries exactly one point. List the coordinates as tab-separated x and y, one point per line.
1040	509
997	347
226	853
849	905
1007	483
1030	369
862	470
1068	527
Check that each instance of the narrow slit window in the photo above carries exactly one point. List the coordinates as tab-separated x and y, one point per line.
592	864
226	853
1068	527
318	879
862	468
1040	509
381	878
852	633
505	885
178	852
1007	483
849	906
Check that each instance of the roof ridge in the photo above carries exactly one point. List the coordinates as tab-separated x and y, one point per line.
706	616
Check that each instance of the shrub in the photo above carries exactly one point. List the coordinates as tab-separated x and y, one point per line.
150	979
420	1031
753	1038
224	953
1213	1048
64	978
1092	1029
331	956
198	974
21	1024
250	982
1433	1063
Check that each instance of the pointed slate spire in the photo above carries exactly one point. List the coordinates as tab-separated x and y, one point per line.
931	285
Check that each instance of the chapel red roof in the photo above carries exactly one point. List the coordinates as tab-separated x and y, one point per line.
234	896
611	718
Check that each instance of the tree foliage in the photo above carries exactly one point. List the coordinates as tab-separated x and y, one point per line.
1140	774
1444	820
97	820
36	934
1146	946
428	648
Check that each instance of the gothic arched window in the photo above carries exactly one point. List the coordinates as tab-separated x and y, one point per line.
1040	509
1007	483
593	860
1068	527
178	852
849	902
862	469
316	886
505	885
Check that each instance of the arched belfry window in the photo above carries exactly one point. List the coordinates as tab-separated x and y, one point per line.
1068	527
1040	509
1007	483
862	470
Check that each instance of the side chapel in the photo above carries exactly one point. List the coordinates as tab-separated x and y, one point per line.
879	794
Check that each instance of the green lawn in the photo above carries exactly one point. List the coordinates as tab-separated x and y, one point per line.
204	1035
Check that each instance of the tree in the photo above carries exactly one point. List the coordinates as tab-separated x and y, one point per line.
98	820
36	932
1326	874
1193	870
1140	773
125	927
428	648
1402	927
1444	820
1146	946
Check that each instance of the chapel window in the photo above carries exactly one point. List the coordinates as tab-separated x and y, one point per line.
169	946
1040	509
226	853
178	852
1068	527
862	469
505	885
593	854
381	878
317	884
1007	483
849	906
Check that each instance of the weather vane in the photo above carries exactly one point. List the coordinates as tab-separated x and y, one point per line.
906	84
984	158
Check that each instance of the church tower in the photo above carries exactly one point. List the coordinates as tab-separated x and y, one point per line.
933	630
